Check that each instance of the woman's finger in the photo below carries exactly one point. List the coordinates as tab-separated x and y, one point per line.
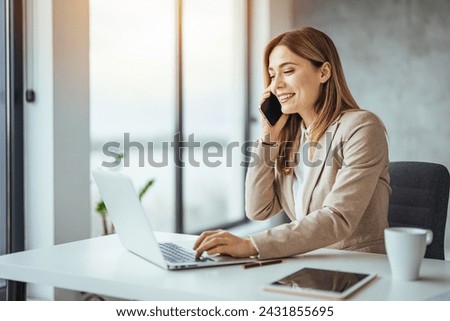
210	242
203	236
263	98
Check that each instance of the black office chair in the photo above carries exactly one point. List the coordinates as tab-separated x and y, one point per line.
420	193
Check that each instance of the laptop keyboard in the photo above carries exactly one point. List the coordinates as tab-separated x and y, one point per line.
176	254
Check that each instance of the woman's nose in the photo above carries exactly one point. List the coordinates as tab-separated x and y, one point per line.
277	82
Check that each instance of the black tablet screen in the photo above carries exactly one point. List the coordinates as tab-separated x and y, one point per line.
326	280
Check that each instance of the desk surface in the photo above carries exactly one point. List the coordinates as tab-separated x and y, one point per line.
101	265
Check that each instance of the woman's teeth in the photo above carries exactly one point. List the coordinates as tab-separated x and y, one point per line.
285	97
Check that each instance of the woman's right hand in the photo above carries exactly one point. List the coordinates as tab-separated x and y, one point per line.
270	133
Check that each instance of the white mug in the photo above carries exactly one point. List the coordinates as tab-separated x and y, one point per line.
405	247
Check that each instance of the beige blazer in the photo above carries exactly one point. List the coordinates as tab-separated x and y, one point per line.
345	198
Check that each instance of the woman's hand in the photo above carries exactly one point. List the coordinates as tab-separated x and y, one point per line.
223	242
270	133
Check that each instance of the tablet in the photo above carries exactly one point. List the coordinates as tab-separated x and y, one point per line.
321	283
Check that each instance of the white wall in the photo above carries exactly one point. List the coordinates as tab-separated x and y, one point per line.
57	141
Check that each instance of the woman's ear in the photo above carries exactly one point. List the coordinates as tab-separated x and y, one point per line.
325	72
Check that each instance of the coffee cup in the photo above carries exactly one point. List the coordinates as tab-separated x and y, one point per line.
405	247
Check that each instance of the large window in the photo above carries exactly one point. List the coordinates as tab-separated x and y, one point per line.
132	95
133	63
214	101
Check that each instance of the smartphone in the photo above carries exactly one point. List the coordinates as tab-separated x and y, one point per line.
271	108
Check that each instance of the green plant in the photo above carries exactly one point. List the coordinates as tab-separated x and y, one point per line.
101	208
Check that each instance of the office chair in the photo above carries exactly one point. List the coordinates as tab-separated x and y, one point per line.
420	193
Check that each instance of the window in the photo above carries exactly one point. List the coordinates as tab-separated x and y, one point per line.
132	95
213	86
133	103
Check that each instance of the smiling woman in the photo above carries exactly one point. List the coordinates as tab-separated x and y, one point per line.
324	163
296	82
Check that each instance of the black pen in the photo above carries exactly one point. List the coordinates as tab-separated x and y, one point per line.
261	263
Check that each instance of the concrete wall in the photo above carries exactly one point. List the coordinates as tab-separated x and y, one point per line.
397	62
396	56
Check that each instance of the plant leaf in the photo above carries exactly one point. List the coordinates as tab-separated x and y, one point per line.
145	188
101	208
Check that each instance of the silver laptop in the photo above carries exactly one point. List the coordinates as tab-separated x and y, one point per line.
135	232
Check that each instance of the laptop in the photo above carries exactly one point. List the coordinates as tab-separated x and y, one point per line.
136	233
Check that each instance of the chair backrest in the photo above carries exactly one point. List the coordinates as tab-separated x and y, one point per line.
420	193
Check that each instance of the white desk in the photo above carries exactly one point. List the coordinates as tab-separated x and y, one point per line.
103	266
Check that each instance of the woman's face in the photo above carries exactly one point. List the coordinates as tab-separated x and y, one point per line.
295	81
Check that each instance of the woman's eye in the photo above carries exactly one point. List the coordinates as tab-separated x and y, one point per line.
289	71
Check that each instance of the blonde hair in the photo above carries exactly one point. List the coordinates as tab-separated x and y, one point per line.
334	97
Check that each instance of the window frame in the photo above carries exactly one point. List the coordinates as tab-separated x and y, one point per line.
12	130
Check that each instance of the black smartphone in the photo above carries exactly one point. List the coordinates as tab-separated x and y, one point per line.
271	108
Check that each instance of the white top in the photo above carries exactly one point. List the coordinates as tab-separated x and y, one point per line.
301	171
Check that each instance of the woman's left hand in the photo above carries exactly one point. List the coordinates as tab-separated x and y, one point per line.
223	242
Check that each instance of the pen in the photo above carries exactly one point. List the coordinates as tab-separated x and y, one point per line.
260	263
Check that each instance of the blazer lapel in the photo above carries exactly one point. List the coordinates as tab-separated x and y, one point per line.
317	163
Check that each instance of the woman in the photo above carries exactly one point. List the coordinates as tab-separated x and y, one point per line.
325	162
